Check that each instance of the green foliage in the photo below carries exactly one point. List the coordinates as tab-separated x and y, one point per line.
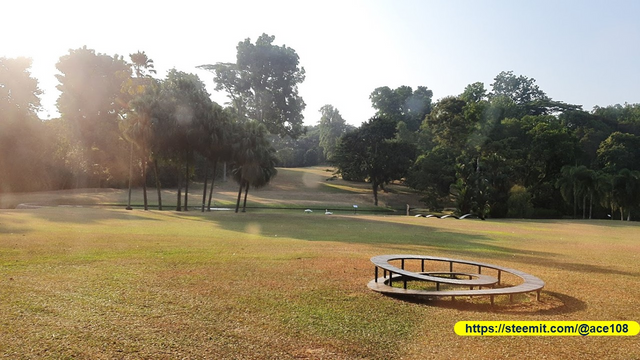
302	151
331	127
433	173
619	151
402	104
372	153
24	141
448	124
519	203
521	89
91	101
263	85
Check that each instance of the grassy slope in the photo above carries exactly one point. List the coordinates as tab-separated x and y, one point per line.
108	283
308	187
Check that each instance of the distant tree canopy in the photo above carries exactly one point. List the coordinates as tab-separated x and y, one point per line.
506	150
263	85
22	136
402	104
503	151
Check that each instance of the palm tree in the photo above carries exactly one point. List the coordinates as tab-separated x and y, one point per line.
142	64
136	129
587	184
265	172
137	123
253	159
604	191
211	141
626	191
570	185
189	103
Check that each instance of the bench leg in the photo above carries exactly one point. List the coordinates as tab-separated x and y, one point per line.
376	274
538	295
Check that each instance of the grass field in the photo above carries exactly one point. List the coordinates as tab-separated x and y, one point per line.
102	282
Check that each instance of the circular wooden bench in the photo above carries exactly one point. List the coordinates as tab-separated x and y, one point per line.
391	273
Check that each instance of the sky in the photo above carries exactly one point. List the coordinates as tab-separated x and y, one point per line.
580	52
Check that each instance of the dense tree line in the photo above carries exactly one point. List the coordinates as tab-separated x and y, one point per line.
512	151
117	121
507	151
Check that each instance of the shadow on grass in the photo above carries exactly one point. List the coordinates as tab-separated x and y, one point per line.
396	236
552	303
85	215
337	189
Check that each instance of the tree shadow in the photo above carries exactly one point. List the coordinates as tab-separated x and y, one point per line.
383	233
85	215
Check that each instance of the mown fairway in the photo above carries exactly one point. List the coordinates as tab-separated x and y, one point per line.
109	283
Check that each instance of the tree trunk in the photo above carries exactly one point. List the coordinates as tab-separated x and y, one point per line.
130	174
590	205
186	183
621	214
575	204
246	192
158	187
204	193
224	172
375	192
179	202
584	207
239	195
213	179
144	178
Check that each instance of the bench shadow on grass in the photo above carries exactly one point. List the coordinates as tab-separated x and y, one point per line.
552	303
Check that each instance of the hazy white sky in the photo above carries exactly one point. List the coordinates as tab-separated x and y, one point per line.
581	52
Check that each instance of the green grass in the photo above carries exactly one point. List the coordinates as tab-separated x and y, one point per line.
107	283
102	282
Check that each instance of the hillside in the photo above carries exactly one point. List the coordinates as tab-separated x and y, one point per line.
313	187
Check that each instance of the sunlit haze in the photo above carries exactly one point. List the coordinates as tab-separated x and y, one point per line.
579	52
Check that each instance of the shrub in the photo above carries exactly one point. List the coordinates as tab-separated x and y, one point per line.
519	203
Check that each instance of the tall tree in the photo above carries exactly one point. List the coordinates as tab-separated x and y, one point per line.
263	85
402	104
137	126
520	89
22	163
619	151
91	101
253	159
570	185
142	64
186	102
373	153
448	123
332	126
212	139
626	191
